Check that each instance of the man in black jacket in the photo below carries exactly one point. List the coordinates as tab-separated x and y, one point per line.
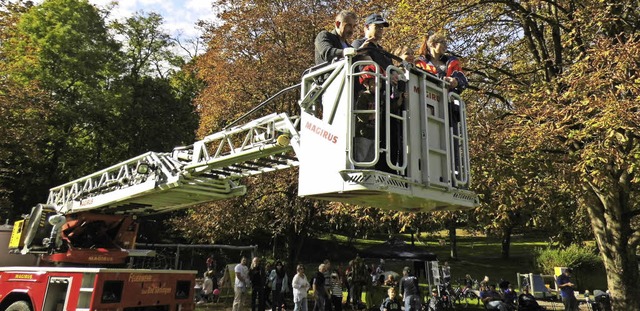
334	44
258	278
374	26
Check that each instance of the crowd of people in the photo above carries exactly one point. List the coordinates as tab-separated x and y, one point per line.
267	285
327	286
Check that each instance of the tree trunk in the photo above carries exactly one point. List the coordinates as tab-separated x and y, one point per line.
275	246
295	242
506	242
611	222
453	241
623	281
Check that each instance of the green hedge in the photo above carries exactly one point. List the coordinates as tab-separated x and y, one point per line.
577	257
586	264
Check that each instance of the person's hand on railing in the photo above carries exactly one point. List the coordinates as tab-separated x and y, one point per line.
453	82
349	52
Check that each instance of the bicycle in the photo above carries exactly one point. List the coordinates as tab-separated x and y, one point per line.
464	294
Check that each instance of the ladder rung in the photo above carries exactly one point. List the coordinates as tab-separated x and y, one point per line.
274	161
284	156
261	163
434	118
232	170
440	151
244	166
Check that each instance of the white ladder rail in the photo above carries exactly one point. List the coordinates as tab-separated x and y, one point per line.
159	182
250	142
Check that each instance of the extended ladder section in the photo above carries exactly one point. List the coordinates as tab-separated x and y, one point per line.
352	145
375	146
205	171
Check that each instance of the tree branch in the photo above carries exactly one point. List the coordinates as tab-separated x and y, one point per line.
634	240
493	95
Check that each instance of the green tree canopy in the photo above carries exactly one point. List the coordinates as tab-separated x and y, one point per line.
79	96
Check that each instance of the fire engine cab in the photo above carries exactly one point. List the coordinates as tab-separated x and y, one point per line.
92	221
62	288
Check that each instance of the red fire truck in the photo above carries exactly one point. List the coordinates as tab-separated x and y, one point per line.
84	289
91	222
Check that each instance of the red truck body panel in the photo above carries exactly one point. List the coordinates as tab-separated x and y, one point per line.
55	289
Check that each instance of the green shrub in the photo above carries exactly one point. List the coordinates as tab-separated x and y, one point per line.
580	258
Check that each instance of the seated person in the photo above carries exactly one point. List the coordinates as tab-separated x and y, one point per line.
491	299
602	301
468	282
503	285
527	302
510	296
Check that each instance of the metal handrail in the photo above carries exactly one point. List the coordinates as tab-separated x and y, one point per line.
261	105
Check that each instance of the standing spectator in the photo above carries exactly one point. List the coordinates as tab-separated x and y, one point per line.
380	268
432	58
566	290
446	273
370	46
241	283
377	277
406	53
279	280
267	285
207	287
358	280
391	303
327	283
334	44
320	292
211	263
258	277
300	288
410	290
348	275
364	141
397	99
336	291
374	26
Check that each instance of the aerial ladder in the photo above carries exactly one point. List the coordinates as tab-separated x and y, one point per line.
92	220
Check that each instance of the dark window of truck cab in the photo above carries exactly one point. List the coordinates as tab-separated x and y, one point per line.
112	291
182	289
